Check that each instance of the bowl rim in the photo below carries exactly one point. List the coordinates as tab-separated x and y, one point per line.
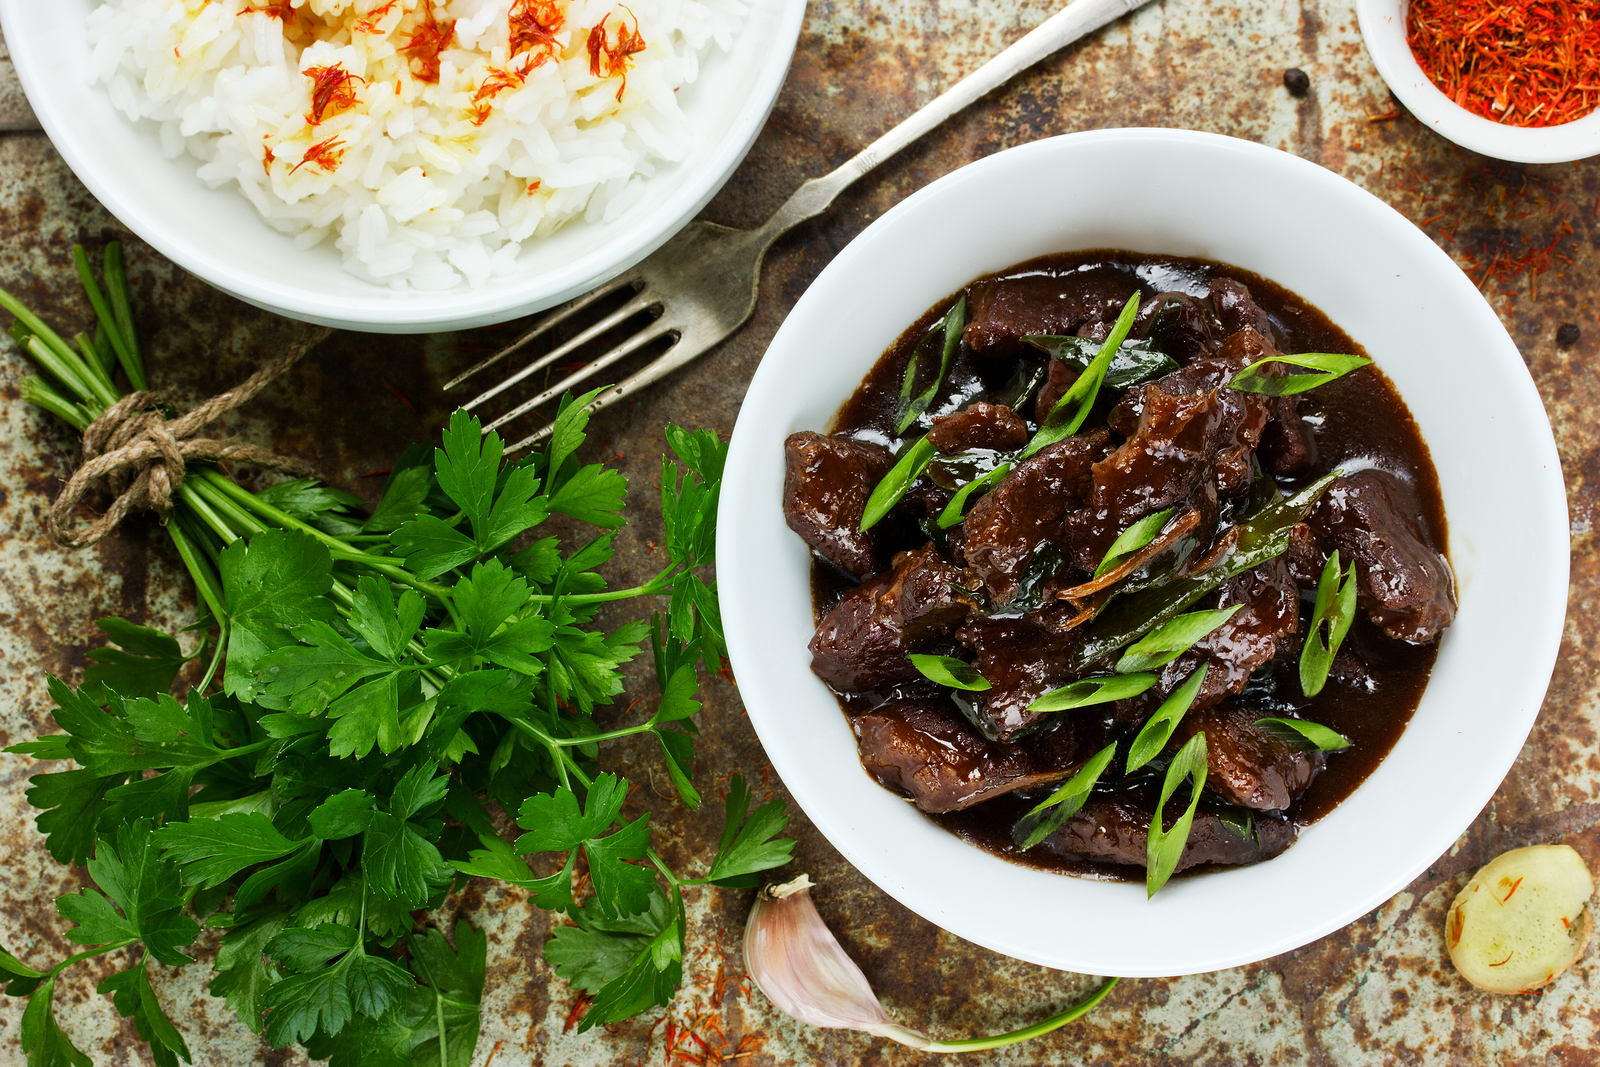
768	675
1383	29
415	311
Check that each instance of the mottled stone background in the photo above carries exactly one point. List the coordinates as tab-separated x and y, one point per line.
1380	991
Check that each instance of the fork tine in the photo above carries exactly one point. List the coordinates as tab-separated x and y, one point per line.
642	301
657	329
555	316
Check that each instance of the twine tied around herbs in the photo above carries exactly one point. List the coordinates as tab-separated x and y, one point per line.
140	456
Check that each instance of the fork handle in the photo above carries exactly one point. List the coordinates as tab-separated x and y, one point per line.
1056	32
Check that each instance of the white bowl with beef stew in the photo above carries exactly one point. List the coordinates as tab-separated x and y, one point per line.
1159	193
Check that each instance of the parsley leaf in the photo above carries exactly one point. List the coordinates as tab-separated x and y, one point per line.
134	998
278	580
145	663
142	901
486	600
747	844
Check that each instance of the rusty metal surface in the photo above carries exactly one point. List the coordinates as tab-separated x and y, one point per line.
1380	991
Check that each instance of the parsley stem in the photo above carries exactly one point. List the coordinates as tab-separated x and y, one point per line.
1027	1033
203	509
658	584
589	739
666	871
200	571
387	566
90	953
216	658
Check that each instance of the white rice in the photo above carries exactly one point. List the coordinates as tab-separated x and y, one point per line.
421	184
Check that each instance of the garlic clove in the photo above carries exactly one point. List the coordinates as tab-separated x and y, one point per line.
794	959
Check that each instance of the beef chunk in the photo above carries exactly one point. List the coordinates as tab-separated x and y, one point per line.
1023	658
928	752
1058	379
1287	445
1116	829
1236	309
826	483
1233	651
1005	310
1305	562
1022	514
1167	461
1374	518
981	425
862	643
1246	765
1179	325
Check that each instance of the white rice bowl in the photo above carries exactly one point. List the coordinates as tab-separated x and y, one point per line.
422	183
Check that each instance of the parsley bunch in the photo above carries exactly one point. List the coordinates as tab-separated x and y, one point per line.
373	690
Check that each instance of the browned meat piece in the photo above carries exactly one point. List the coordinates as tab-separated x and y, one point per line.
1179	325
1248	640
826	483
1025	511
1005	310
1287	445
982	425
930	753
1116	829
862	643
1236	309
1244	415
1373	518
1245	764
1168	460
1305	562
1058	379
1023	658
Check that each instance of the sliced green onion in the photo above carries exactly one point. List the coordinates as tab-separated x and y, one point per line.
911	409
1263	536
1165	847
913	461
1087	691
1301	733
1336	606
1052	813
1335	364
1075	404
1166	643
954	511
1133	539
1155	733
947	670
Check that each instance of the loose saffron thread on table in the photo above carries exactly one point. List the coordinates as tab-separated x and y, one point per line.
1518	62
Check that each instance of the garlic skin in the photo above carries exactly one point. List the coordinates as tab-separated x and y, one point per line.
794	959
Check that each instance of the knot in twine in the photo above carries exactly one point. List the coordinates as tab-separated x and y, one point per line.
141	457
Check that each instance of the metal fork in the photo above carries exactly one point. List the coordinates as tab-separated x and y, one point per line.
701	284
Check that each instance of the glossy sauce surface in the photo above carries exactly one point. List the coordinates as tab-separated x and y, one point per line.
1358	421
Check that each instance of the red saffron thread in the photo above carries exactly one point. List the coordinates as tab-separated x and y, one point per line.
428	42
608	59
333	92
368	23
1520	62
325	154
534	25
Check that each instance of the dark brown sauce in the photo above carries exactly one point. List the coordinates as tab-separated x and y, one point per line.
1363	422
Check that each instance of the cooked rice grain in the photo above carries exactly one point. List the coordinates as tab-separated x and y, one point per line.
429	165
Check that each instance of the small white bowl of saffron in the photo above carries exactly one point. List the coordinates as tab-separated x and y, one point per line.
1383	27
